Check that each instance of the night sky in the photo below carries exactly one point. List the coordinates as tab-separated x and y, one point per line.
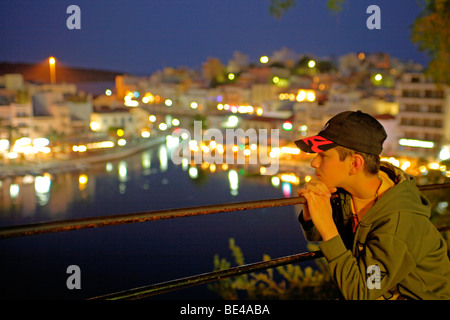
142	36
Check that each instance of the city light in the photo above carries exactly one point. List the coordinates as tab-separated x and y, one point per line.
4	145
290	150
287	126
94	126
79	148
12	155
41	142
416	143
82	179
52	63
245	109
148	98
131	103
232	121
291	178
311	63
168	102
444	154
264	59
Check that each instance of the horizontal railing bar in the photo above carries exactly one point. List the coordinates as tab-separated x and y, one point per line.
443	228
93	222
427	187
165	287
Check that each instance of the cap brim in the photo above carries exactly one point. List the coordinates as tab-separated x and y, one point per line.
315	144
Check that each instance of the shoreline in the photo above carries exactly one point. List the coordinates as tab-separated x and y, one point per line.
70	165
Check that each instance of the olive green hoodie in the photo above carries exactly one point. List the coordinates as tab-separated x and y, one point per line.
397	237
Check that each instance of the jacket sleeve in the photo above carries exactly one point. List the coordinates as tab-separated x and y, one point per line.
355	276
310	232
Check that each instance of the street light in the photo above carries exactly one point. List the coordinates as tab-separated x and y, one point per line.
52	62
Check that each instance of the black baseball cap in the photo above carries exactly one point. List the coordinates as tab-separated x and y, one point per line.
354	130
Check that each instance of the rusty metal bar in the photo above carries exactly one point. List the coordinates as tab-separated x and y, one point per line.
164	287
427	187
93	222
443	228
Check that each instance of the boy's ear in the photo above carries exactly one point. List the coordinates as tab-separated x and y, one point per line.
356	164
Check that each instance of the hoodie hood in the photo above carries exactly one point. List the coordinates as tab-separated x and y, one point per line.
404	196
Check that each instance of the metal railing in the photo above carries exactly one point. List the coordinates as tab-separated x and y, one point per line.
164	287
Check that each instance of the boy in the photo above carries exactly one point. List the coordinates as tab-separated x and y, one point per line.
374	224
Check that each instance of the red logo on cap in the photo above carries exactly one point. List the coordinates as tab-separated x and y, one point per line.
315	142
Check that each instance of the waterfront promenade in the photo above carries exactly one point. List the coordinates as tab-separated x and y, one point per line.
76	164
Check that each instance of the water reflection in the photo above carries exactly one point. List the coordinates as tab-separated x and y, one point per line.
14	190
287	189
193	172
234	182
163	158
146	160
109	167
42	186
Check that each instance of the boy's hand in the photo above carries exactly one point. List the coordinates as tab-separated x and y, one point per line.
318	207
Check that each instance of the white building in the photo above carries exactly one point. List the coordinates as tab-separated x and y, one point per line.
111	120
423	121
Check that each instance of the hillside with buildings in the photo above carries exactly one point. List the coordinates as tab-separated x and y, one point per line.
293	93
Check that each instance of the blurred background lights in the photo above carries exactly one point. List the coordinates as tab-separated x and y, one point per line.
264	59
444	154
287	126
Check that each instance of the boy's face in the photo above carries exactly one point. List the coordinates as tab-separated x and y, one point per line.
330	169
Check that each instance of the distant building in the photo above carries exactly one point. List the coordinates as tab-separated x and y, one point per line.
423	121
107	120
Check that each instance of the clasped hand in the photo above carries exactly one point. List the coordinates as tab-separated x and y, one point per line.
318	207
